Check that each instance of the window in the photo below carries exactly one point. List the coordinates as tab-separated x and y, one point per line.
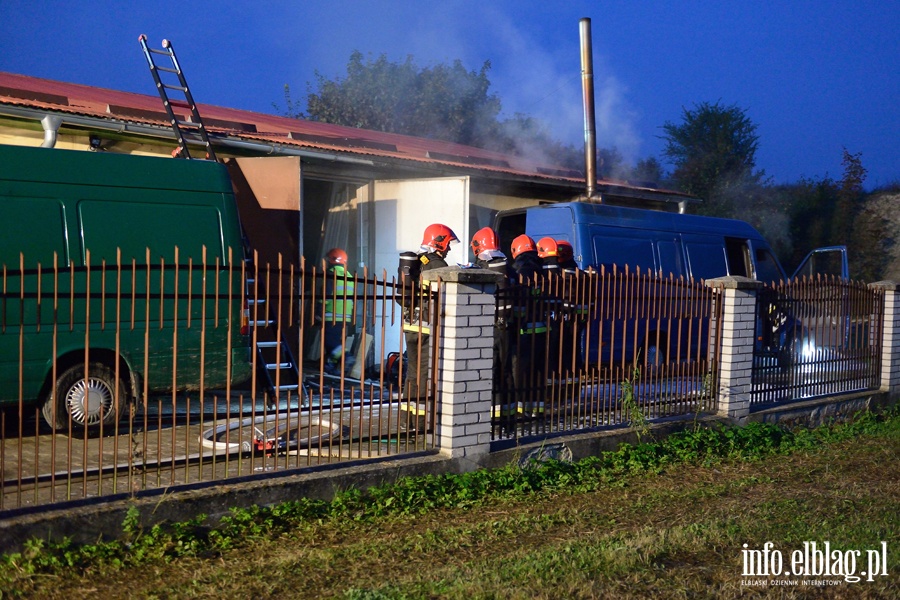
707	260
616	249
19	236
738	257
670	259
767	268
107	226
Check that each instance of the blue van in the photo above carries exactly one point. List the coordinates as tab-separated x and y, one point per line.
659	242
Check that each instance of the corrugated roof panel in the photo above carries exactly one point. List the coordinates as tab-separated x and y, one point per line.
103	103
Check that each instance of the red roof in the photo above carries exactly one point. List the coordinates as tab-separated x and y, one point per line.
46	94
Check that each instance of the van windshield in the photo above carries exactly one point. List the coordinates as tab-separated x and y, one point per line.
767	268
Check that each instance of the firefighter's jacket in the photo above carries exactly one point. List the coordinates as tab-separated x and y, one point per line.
339	293
528	309
416	289
574	290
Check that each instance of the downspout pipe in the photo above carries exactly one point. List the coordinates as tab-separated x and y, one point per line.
51	124
587	90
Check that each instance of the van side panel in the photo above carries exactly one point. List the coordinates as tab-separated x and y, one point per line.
680	245
84	206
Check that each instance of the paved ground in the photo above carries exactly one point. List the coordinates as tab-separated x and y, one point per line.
180	442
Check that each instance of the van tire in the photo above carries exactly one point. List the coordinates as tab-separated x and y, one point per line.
101	393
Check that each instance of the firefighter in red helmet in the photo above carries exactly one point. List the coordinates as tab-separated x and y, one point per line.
336	311
528	330
547	252
414	296
526	266
486	248
566	255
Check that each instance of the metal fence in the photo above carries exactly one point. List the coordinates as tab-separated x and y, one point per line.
817	337
124	377
592	349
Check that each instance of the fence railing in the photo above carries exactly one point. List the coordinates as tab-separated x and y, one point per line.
127	377
817	337
589	349
120	378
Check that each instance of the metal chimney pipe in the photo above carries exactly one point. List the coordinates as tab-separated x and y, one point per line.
587	90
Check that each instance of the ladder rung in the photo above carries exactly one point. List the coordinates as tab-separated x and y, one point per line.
287	388
155	51
175	87
264	323
189	124
167	69
267	344
275	367
255	302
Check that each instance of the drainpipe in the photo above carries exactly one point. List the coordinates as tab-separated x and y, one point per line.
587	89
51	124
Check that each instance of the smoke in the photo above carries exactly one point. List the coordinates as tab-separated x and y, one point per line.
542	78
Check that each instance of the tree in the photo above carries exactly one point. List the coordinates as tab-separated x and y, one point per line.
647	172
713	150
849	195
443	102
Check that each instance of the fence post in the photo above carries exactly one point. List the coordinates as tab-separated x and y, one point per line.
735	356
465	370
890	349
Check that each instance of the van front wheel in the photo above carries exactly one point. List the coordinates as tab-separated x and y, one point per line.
89	401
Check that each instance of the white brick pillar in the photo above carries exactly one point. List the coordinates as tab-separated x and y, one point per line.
738	297
890	349
465	367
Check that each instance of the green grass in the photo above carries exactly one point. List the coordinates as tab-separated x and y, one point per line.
658	519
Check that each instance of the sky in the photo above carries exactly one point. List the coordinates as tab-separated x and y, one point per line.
814	76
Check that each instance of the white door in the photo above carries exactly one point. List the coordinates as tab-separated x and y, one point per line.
404	208
402	211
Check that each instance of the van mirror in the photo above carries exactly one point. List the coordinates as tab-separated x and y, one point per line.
831	260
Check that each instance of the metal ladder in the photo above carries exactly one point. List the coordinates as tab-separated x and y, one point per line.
195	125
274	357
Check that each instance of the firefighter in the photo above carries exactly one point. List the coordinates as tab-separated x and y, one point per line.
416	288
575	309
526	266
486	248
547	252
566	256
337	310
528	333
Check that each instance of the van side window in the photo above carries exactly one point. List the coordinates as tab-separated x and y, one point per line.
621	251
108	225
767	268
35	246
670	259
738	257
707	260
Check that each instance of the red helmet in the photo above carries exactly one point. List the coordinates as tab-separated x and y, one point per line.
336	256
521	244
484	239
546	246
438	237
564	251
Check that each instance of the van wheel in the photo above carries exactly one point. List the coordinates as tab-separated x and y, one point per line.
652	354
88	401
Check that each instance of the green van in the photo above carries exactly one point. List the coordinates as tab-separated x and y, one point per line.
121	278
